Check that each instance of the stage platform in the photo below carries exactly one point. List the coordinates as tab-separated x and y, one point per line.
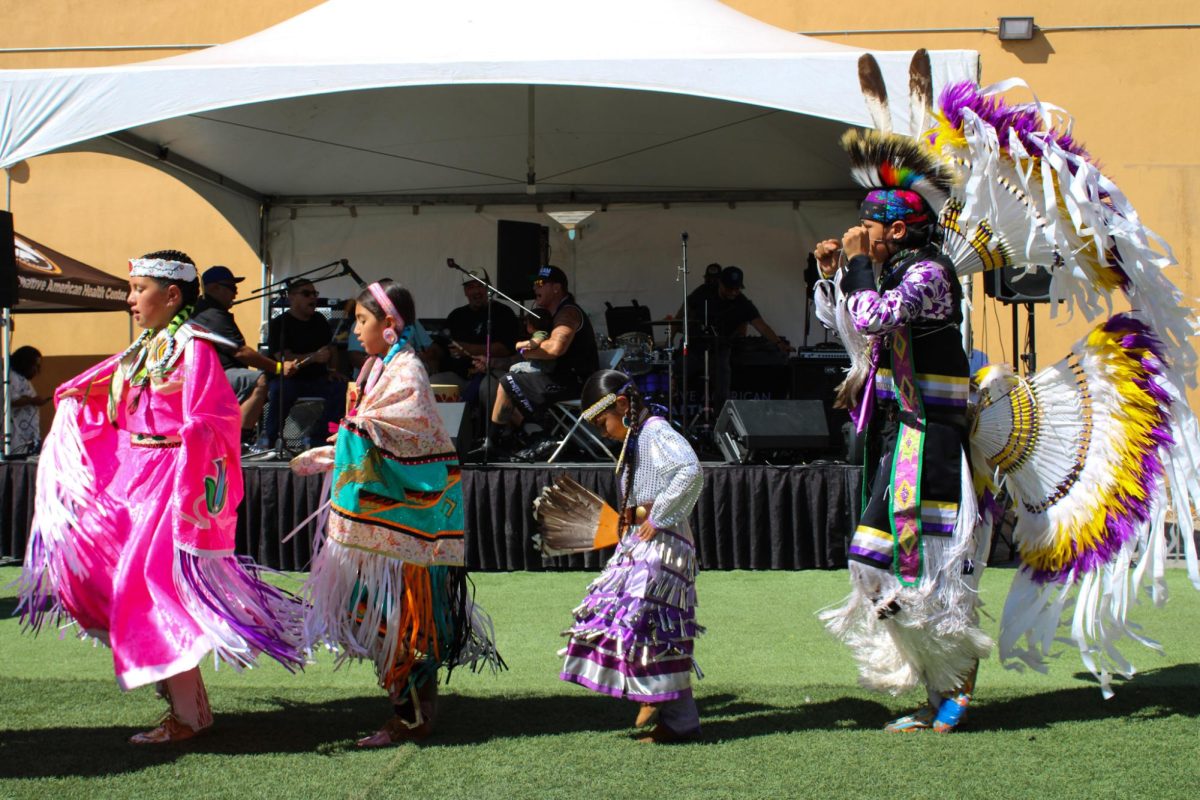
749	516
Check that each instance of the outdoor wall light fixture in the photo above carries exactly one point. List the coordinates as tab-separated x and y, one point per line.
1016	28
571	220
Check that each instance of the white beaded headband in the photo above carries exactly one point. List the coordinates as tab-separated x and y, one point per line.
596	408
161	268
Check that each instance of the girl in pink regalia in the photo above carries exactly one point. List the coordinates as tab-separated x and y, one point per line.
137	495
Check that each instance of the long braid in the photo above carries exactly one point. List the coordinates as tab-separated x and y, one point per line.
636	416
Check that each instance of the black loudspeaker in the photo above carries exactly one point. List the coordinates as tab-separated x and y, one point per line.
301	418
627	319
8	262
457	420
522	248
816	374
1011	285
747	429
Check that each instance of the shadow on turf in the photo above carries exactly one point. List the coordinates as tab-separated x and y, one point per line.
331	728
8	607
1149	695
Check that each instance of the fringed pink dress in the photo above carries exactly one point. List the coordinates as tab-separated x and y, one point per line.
133	536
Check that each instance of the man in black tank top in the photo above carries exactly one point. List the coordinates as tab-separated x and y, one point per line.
571	346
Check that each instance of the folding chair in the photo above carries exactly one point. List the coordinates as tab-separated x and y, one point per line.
569	423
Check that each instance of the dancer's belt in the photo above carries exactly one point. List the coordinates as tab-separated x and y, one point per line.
154	440
892	413
636	515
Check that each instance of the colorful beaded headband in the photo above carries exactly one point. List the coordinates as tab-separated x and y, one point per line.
385	303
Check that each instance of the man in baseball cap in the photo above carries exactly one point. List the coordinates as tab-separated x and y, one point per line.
244	366
720	315
571	346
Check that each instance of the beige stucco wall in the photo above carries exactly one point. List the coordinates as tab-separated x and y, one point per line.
1133	93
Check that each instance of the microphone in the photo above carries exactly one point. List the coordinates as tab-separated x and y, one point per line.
451	264
684	236
349	270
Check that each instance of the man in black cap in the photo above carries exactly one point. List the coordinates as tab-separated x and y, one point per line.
712	274
719	315
571	345
245	367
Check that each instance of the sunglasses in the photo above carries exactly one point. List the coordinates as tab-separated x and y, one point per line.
538	282
230	286
308	293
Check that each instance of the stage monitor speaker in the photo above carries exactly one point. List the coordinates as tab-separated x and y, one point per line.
522	248
1011	285
8	262
301	418
457	420
747	429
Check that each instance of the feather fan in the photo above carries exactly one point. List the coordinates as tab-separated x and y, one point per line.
573	519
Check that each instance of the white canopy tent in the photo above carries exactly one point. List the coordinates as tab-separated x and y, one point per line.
394	133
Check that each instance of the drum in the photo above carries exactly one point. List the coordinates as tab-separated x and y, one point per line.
445	392
653	384
638	347
661	356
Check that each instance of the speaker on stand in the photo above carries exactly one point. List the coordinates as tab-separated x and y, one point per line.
8	299
8	261
1020	287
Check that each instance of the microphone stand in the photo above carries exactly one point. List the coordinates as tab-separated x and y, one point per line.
492	294
279	453
283	283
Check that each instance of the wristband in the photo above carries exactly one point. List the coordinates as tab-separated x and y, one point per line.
278	367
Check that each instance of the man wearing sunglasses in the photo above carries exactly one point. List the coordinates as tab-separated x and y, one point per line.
303	335
245	368
572	347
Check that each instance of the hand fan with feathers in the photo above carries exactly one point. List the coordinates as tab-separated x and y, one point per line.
572	519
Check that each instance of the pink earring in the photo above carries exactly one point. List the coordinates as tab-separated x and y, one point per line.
390	336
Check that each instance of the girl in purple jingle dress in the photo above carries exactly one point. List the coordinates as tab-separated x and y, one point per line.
635	631
137	495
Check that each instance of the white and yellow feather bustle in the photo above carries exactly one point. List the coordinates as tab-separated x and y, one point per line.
1080	451
1031	196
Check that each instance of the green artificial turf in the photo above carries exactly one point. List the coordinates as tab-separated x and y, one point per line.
782	716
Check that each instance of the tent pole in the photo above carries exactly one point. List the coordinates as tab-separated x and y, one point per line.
264	212
6	321
530	155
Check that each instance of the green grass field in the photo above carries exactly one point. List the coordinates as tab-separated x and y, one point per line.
783	717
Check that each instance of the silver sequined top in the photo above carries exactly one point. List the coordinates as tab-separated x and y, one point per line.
668	475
